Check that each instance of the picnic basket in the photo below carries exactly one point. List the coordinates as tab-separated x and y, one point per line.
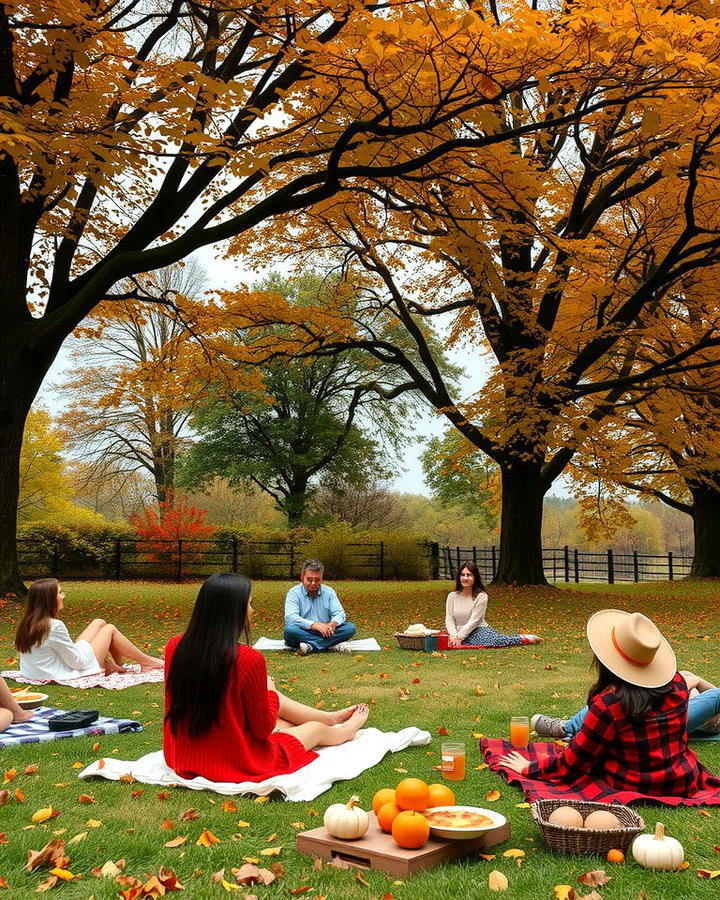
565	839
410	641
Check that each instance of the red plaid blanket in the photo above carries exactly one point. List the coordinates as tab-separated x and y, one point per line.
585	787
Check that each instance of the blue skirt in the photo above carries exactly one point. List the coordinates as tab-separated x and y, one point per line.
487	636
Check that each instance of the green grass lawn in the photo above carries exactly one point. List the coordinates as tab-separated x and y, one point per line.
466	693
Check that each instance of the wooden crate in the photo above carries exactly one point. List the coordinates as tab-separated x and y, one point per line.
377	850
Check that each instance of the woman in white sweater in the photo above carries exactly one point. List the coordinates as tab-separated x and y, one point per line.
465	615
48	653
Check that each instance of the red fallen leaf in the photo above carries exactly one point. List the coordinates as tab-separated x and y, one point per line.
19	795
416	681
136	794
86	798
383	675
3	837
169	880
101	764
31	769
189	815
4	796
167	825
162	795
3	883
443	731
302	890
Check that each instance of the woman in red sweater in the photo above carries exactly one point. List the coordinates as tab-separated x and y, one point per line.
224	719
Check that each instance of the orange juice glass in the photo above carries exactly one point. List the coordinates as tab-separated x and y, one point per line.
453	761
519	731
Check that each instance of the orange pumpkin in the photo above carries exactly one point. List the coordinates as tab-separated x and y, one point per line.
440	795
410	829
615	856
383	796
386	816
412	793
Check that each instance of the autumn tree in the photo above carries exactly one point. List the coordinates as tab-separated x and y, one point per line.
459	474
546	254
133	132
662	443
135	379
311	420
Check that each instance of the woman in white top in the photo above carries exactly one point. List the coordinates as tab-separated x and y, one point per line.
465	615
48	652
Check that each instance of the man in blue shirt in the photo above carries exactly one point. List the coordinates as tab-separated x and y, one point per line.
314	617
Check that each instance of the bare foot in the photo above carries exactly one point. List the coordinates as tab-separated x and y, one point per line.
531	638
356	720
112	668
23	715
153	665
342	715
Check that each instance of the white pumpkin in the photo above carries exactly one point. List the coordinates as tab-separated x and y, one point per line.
657	851
346	820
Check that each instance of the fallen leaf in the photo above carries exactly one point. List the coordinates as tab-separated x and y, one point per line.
47	885
167	825
241	824
93	823
10	775
709	873
177	842
513	853
362	880
77	838
442	730
497	881
251	874
31	769
189	815
261	800
42	815
52	854
206	839
596	878
86	798
63	874
564	892
96	746
486	856
3	883
271	851
302	890
19	795
229	806
522	806
492	796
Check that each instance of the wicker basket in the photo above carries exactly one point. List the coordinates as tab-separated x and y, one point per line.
564	839
410	641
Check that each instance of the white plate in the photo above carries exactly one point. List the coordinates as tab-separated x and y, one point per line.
29	699
498	819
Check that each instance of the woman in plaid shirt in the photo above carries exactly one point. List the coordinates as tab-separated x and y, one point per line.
634	736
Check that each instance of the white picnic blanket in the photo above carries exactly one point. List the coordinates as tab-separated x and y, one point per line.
358	646
332	764
115	682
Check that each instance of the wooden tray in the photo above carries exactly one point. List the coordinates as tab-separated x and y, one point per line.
378	850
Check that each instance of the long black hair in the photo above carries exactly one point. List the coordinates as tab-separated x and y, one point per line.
478	586
200	667
636	702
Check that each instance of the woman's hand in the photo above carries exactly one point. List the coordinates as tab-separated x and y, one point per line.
516	762
454	642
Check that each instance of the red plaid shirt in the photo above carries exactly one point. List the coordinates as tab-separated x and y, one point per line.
650	756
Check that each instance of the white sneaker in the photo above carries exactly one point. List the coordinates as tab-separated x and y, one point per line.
304	649
343	647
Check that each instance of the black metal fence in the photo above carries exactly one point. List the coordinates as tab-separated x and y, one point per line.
569	565
180	560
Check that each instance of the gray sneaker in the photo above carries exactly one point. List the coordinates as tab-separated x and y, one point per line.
546	726
342	647
304	649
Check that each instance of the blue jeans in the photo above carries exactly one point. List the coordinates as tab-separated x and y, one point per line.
295	634
700	709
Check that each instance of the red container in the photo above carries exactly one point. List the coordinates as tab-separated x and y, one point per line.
442	641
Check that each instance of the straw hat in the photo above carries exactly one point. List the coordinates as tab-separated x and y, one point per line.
632	647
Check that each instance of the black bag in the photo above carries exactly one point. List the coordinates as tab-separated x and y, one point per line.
76	718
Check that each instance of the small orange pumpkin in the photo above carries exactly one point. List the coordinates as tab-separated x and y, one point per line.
615	856
410	829
383	796
440	795
412	793
386	815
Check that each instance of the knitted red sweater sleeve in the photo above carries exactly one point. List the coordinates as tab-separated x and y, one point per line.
261	705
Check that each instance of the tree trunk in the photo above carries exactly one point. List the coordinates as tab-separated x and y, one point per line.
294	504
706	526
25	357
523	493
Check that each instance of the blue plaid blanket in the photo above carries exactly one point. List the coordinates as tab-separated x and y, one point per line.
36	729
